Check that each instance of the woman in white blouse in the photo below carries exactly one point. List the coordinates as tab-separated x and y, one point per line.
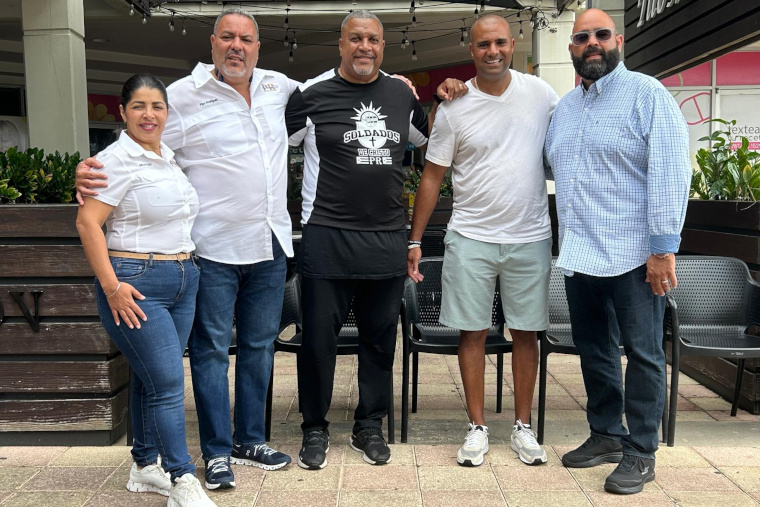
146	285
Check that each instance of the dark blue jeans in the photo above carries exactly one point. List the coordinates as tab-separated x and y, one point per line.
639	314
252	293
154	353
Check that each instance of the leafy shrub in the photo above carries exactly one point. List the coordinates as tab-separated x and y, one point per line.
33	177
725	173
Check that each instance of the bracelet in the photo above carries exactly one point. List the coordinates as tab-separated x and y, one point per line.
413	245
118	286
437	98
662	255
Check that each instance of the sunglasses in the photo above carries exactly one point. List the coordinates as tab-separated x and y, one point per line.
582	38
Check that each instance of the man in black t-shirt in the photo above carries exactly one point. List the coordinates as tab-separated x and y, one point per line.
355	123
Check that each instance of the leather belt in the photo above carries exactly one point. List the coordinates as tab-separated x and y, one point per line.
182	256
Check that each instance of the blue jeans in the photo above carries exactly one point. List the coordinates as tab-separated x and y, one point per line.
639	315
253	294
154	353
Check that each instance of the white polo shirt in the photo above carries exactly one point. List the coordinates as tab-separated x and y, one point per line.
154	203
236	158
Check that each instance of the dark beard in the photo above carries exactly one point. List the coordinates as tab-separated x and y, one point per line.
593	70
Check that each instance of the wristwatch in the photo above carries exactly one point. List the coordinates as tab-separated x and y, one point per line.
437	98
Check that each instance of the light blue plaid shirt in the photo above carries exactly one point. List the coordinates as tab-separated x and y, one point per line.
620	156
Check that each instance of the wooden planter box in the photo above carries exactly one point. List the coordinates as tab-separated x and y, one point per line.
62	381
441	214
730	229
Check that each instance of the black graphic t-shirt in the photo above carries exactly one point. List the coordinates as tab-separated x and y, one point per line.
354	139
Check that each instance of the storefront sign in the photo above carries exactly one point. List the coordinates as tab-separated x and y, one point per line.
651	8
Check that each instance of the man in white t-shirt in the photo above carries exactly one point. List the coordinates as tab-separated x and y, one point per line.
493	139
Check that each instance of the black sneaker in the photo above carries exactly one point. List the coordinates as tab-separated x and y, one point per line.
630	475
260	455
594	451
219	474
313	454
370	441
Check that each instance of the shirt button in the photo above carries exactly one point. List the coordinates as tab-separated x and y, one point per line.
576	157
580	132
569	205
572	180
585	109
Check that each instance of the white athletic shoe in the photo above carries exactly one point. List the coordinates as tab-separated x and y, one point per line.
475	446
188	492
526	446
150	479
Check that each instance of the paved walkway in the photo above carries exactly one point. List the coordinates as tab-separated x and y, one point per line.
716	460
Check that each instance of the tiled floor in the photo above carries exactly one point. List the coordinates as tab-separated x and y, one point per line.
716	460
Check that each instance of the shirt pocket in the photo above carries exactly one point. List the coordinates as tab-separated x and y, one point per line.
270	111
221	129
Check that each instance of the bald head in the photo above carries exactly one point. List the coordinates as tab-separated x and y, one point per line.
593	18
492	21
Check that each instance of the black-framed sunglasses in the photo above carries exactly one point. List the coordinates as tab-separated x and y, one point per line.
582	38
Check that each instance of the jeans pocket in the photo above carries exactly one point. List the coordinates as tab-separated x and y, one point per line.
129	269
196	262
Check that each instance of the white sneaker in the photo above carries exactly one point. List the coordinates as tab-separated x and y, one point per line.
188	492
526	446
475	446
150	479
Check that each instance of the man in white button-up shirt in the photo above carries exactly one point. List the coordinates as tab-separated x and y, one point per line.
226	127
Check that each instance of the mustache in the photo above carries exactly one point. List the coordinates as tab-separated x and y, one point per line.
235	52
592	51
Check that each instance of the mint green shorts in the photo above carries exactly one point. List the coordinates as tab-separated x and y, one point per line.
468	279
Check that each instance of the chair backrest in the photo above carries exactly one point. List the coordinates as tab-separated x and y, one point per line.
428	295
559	311
711	290
291	304
432	243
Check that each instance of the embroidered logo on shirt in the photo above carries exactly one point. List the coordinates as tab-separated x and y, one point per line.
208	102
371	133
144	164
270	87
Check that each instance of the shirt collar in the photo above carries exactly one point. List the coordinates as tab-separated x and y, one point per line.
135	150
603	81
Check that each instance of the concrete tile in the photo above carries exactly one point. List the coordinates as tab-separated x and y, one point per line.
693	479
437	403
565	415
29	457
711	403
592	479
384	498
694	416
126	499
362	477
544	498
696	391
441	378
93	457
436	455
457	478
558	403
118	480
575	390
438	389
709	499
247	478
296	478
648	498
756	496
286	498
569	378
463	498
12	478
730	456
49	498
679	456
747	478
538	478
725	415
69	479
401	454
233	497
4	495
504	455
686	404
450	414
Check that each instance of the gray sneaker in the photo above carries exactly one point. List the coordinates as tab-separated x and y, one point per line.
149	479
475	446
526	446
188	492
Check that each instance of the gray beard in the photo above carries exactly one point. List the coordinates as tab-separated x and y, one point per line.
363	72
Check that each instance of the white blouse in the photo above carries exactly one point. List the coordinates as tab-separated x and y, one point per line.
154	203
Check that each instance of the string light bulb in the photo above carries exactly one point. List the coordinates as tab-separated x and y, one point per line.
295	42
414	21
287	17
131	9
184	32
353	2
286	42
171	23
476	12
521	36
464	28
461	40
404	41
144	20
287	2
412	8
290	56
414	52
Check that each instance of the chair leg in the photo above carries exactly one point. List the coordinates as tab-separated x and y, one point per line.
675	366
404	396
543	356
391	415
499	381
268	410
665	411
415	379
738	386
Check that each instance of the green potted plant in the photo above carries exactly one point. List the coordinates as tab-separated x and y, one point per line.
723	218
62	382
443	209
